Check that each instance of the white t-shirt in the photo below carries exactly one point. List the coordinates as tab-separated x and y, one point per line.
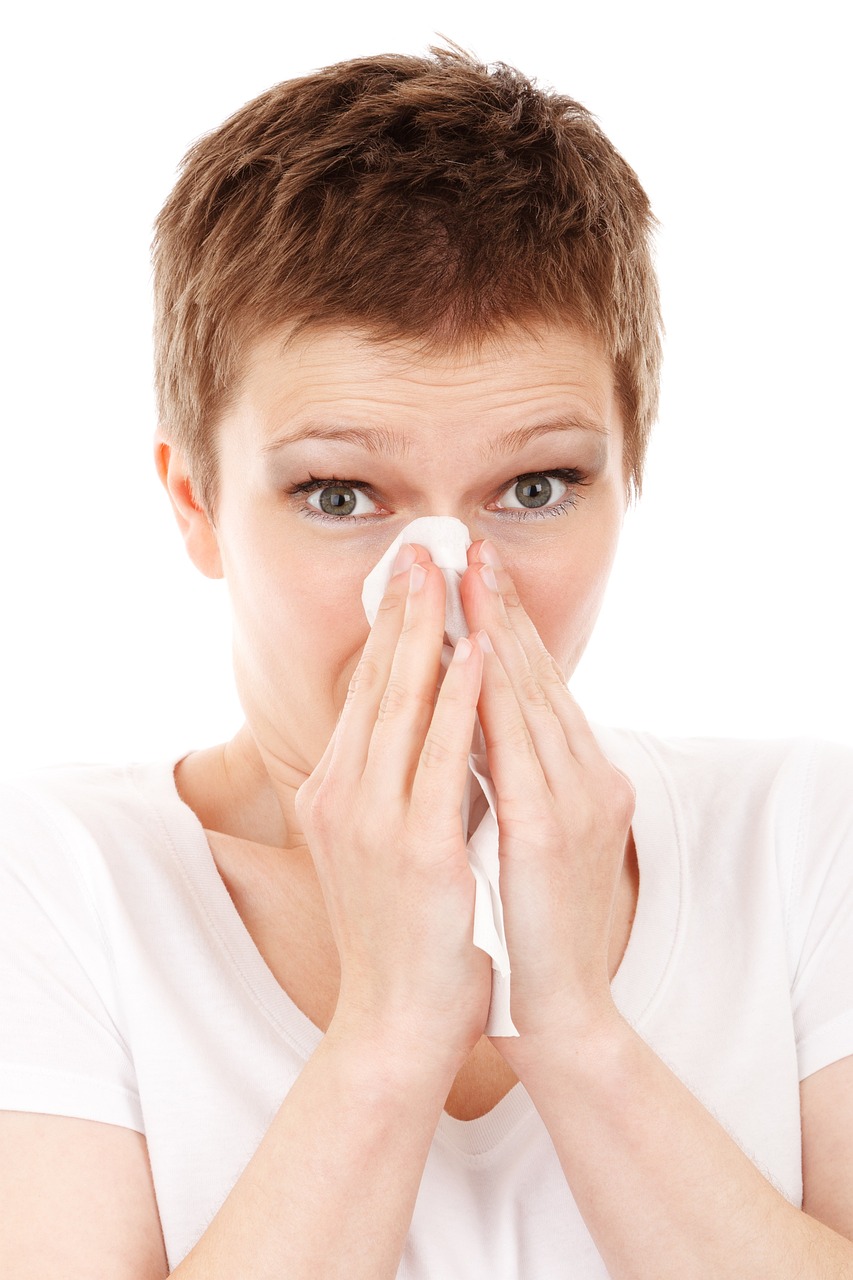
132	993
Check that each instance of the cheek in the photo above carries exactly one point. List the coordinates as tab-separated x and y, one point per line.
297	616
564	597
561	608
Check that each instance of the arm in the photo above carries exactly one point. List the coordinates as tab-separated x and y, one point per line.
665	1192
331	1189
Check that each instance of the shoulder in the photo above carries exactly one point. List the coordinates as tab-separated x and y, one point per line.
57	788
82	814
783	803
727	772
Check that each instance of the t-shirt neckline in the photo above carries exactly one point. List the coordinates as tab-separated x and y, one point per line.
636	986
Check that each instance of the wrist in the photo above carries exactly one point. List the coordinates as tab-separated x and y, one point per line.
573	1044
399	1058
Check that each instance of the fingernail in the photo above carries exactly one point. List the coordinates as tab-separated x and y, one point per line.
417	578
405	556
490	555
484	642
463	650
488	576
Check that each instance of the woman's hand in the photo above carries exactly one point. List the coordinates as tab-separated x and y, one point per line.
382	816
564	815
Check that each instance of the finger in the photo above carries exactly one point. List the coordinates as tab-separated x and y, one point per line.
442	768
528	754
522	651
351	737
515	709
408	701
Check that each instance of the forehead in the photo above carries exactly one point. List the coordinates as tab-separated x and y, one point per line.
346	373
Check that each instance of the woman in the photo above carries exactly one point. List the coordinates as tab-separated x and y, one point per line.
246	1027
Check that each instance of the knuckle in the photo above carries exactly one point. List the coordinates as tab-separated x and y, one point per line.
547	669
394	700
437	753
515	825
399	699
533	692
390	602
365	676
518	738
321	811
451	695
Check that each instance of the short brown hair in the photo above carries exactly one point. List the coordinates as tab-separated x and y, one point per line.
432	199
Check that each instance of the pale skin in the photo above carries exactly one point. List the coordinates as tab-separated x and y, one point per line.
312	729
452	410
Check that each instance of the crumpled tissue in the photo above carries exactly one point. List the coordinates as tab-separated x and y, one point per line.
447	541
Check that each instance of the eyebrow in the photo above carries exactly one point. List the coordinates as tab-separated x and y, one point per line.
379	440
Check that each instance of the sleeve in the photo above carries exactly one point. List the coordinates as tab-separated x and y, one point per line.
61	1050
820	911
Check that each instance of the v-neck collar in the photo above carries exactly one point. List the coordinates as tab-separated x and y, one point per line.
637	983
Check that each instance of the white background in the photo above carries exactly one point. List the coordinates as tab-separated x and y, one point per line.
729	610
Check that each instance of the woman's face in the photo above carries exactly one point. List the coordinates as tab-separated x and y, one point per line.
430	436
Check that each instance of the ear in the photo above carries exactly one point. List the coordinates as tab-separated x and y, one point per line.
197	531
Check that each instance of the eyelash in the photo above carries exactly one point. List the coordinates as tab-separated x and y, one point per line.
570	476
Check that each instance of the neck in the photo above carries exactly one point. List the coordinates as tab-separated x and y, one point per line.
230	791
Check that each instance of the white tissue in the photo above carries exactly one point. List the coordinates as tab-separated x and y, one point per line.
447	541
